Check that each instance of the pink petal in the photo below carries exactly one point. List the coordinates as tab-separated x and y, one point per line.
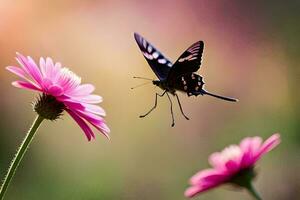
87	130
197	178
93	99
24	85
82	90
208	175
30	67
35	70
103	128
232	166
43	67
56	71
97	121
84	107
17	71
216	160
58	66
49	68
245	144
55	90
89	116
197	189
205	180
250	147
269	144
251	144
72	105
194	190
256	143
94	109
20	72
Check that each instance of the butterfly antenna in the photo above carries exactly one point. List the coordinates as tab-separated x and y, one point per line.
140	85
149	79
220	97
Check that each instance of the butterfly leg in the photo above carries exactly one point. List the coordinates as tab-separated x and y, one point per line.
155	104
181	107
173	123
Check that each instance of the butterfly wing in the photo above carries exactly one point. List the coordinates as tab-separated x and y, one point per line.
187	63
158	62
190	83
193	84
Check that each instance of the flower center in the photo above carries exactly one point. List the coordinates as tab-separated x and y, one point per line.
48	107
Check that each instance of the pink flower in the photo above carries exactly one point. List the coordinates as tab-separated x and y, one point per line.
62	87
234	164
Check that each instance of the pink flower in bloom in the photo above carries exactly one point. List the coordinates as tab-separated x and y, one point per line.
59	84
233	165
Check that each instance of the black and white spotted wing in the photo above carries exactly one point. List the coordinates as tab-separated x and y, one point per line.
188	62
158	62
191	84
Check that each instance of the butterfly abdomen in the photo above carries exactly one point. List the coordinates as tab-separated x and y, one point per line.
191	84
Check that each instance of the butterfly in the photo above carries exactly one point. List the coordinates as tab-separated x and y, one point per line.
179	76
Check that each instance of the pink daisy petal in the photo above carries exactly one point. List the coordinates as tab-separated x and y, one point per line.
194	190
30	68
25	85
93	99
97	121
232	166
215	160
43	67
269	144
205	175
250	143
48	68
197	189
82	90
94	109
251	147
256	143
103	128
55	90
83	125
17	71
89	116
56	71
58	66
50	72
20	72
35	69
247	156
245	144
72	105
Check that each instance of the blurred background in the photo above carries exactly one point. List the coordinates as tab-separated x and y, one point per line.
251	53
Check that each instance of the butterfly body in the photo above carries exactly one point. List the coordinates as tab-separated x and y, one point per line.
191	84
179	76
164	86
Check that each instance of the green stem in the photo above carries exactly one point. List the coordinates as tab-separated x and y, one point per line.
19	155
252	191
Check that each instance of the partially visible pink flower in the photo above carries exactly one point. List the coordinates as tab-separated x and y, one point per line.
231	163
63	86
